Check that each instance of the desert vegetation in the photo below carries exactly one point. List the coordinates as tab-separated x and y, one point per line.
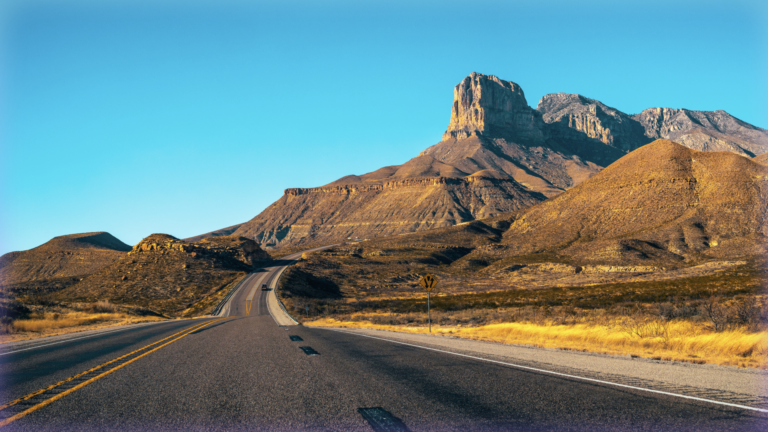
716	315
19	322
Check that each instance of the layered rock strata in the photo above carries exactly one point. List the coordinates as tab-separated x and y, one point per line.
365	211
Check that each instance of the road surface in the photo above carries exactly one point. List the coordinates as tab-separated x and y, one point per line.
245	372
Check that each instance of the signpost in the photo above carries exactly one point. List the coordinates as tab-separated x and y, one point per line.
428	283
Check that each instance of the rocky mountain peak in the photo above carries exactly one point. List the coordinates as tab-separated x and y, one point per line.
487	105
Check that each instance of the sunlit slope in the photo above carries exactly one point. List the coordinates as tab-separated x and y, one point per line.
662	200
63	257
330	214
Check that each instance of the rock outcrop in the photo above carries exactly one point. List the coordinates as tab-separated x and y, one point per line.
486	105
236	248
170	276
572	115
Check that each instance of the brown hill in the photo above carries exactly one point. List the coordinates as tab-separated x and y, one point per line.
565	141
371	210
761	159
168	275
59	262
661	202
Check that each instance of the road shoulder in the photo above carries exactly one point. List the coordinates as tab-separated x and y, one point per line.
723	383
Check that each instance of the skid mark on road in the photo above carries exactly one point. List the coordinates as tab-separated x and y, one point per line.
382	420
16	409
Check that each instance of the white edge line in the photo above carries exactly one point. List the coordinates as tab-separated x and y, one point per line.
556	373
292	257
83	337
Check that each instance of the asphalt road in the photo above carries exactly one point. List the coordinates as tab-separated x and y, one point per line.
246	373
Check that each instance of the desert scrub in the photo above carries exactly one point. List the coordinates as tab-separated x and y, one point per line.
53	323
662	340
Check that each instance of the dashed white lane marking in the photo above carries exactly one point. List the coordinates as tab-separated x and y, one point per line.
712	401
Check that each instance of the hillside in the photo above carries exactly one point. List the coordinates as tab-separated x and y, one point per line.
522	154
662	213
168	275
662	202
761	159
329	214
58	263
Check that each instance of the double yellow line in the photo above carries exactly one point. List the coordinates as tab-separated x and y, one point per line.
174	337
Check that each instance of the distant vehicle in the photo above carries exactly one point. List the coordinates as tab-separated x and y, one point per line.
263	287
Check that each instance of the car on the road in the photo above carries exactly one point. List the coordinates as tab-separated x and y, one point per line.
264	287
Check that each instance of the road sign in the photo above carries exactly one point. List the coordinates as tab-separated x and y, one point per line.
428	282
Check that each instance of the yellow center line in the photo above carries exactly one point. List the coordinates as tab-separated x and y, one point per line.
46	402
52	386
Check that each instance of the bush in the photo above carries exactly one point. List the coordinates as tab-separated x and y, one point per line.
103	306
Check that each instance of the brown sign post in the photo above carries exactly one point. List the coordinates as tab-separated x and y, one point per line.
428	283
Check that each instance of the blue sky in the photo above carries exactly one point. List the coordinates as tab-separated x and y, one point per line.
182	117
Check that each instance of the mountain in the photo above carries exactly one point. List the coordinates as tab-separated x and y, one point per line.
700	130
59	262
497	155
662	202
761	159
169	275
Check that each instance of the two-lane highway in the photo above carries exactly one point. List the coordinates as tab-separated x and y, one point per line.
246	372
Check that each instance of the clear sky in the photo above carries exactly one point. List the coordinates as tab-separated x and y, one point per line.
181	117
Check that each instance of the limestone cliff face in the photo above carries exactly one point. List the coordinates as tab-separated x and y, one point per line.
486	105
572	116
569	115
704	130
327	214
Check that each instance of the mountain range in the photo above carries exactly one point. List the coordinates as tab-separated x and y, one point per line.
497	155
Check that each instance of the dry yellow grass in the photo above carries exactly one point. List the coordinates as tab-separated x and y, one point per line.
676	340
51	324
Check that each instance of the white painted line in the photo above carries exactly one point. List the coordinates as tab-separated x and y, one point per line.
558	373
83	337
